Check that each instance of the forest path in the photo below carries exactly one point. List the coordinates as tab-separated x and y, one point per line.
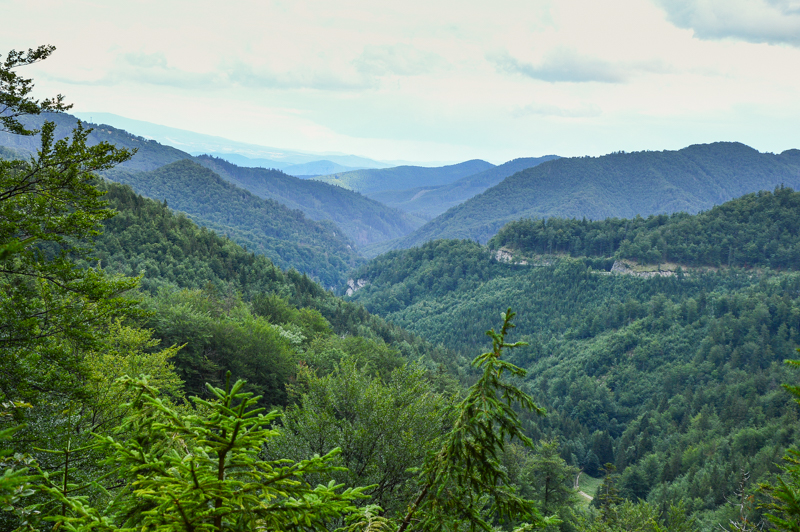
578	488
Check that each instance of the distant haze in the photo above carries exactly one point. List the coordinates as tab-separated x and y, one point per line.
430	81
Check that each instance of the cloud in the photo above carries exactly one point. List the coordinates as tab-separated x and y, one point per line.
137	67
544	109
756	21
246	75
561	65
142	60
398	59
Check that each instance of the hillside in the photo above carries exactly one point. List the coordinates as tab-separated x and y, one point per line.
150	154
674	379
363	220
265	226
371	181
431	201
620	185
756	230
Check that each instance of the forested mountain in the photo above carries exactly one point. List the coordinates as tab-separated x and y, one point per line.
363	220
265	226
149	156
431	201
619	185
672	378
371	181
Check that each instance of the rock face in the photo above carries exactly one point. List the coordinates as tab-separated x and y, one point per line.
355	286
503	255
507	256
622	268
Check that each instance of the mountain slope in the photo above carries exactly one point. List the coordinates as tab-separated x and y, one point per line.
617	185
363	220
431	201
150	154
265	226
403	177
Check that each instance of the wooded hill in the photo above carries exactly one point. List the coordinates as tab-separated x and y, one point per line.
265	226
363	220
756	230
430	201
620	185
673	379
375	180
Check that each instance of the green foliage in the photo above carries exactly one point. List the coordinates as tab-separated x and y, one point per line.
619	185
219	334
383	427
463	483
15	100
201	472
551	480
672	379
784	510
638	517
170	251
49	307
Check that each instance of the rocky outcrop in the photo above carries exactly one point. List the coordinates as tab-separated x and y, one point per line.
354	286
623	268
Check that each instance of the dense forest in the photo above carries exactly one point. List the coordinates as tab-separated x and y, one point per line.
621	185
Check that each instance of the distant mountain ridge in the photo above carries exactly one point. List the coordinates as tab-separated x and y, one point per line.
621	185
371	181
432	201
310	169
363	220
193	142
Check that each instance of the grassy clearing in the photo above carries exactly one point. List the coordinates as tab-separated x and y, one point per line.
589	486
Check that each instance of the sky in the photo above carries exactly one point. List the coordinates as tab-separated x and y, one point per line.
429	80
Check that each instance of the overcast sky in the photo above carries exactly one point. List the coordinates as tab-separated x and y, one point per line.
430	79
